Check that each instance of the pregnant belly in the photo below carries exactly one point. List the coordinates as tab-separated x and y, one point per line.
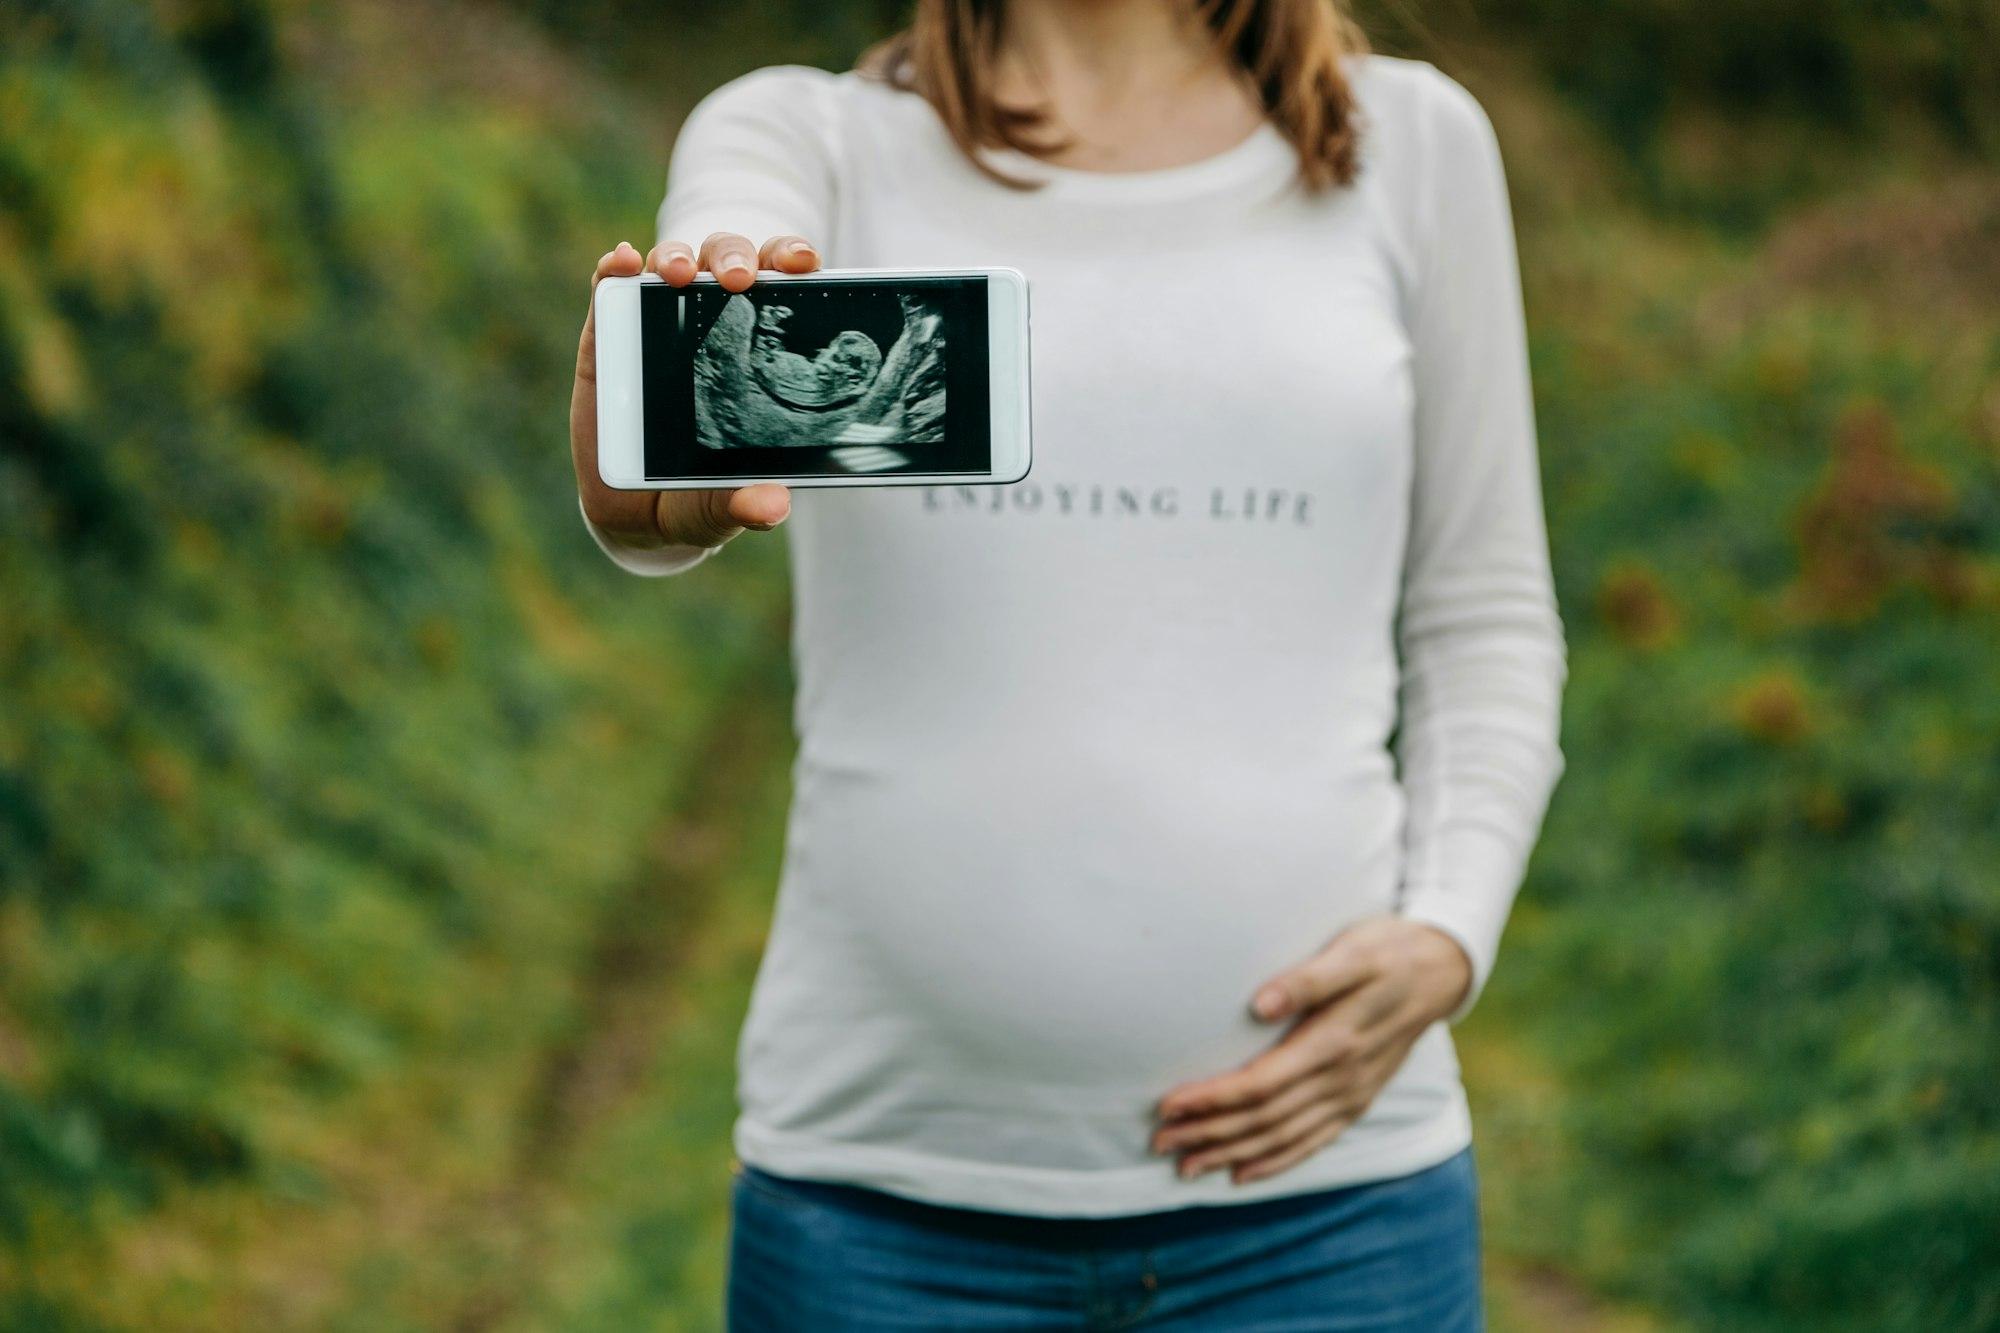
1097	932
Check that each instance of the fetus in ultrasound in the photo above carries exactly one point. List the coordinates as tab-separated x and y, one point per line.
822	369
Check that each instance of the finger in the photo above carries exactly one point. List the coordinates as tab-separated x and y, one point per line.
618	262
1185	1135
1265	1143
674	261
788	254
1339	967
1321	1041
731	258
622	261
1258	1081
1288	1157
763	506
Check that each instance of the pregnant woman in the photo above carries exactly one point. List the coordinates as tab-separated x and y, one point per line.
1153	817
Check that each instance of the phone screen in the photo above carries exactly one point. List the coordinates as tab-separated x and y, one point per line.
816	377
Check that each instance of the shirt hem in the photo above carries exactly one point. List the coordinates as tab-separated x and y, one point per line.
1117	1192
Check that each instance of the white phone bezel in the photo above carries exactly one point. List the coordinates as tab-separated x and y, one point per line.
621	398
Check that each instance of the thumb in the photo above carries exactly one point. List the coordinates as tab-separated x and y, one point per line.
1333	971
712	517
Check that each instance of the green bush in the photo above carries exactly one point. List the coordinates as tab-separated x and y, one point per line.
1843	64
312	680
1759	942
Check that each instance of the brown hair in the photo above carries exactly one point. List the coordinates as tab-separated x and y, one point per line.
1290	50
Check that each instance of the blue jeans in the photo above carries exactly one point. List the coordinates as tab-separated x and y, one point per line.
811	1257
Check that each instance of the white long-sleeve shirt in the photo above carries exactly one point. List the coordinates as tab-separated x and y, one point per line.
1084	759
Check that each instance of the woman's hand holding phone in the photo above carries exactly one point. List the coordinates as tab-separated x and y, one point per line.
676	518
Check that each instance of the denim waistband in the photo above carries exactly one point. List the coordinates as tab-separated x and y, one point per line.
1091	1233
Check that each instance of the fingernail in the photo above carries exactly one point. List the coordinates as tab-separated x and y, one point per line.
798	248
1190	1169
1270	1003
734	264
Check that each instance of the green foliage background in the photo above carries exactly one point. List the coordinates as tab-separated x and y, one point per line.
380	872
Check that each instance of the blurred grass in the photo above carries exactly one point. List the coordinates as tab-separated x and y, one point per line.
381	874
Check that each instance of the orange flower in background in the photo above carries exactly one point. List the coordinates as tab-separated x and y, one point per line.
1774	708
1634	604
1870	526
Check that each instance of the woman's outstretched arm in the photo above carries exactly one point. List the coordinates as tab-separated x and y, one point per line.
752	160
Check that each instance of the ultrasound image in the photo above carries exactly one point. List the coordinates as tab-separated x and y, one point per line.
857	373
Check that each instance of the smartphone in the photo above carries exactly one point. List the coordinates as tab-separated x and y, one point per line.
859	377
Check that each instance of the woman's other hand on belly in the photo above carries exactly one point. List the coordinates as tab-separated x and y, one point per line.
1359	1004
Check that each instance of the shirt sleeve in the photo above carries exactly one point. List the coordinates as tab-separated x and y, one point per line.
753	157
1480	639
756	157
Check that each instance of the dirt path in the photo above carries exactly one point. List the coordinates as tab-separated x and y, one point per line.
1536	1299
628	996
